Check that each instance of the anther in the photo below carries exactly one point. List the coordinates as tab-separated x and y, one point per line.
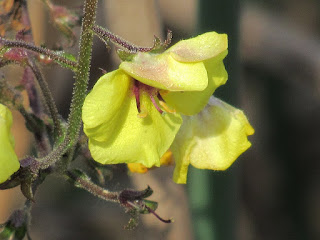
136	92
143	112
166	107
163	104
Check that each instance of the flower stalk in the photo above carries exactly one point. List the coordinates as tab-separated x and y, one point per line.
79	91
105	35
48	98
55	56
81	180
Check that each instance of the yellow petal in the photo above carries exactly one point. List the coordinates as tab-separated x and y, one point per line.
200	48
164	72
122	136
166	160
9	163
105	99
137	168
192	102
213	139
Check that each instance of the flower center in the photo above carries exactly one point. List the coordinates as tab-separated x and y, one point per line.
154	96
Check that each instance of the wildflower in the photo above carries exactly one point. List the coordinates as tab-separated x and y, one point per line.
212	139
117	132
133	114
8	159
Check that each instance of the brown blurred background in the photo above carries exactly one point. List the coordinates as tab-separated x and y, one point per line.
277	192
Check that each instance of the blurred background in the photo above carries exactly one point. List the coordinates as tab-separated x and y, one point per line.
271	192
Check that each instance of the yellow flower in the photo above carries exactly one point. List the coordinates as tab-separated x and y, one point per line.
133	114
8	159
212	139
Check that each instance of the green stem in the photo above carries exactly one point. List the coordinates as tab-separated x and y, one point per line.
80	87
82	73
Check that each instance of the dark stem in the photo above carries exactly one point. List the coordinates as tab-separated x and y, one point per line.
49	53
48	98
107	35
136	92
27	209
86	184
41	140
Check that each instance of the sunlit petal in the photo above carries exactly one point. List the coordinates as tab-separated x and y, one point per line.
164	72
213	139
200	48
192	102
128	138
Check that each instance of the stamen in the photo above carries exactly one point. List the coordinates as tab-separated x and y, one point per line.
155	103
166	107
160	97
163	104
153	94
136	92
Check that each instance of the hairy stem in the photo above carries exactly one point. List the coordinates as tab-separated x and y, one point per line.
82	73
48	98
79	90
31	47
105	35
85	183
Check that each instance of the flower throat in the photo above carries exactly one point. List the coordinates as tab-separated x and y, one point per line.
154	94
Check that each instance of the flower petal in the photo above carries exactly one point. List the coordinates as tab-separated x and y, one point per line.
200	48
164	72
192	102
123	137
213	139
9	163
165	160
105	99
137	168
